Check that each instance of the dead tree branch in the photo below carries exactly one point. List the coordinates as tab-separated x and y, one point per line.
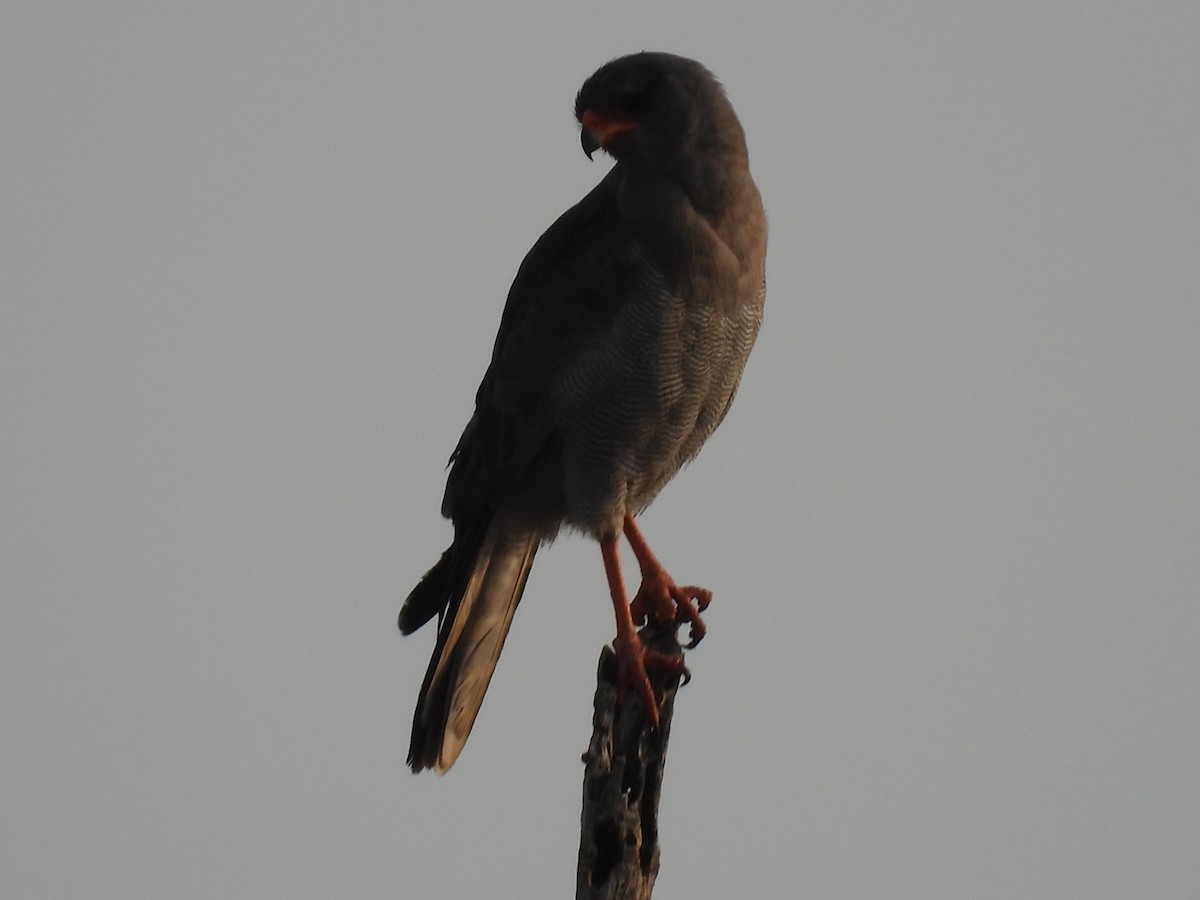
624	763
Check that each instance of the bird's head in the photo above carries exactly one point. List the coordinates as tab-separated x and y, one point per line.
654	106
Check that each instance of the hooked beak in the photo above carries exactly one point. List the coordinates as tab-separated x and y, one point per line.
599	131
590	142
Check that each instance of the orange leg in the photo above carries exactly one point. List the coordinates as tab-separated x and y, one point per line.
632	655
659	596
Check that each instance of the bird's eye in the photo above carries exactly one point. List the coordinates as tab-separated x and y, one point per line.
630	100
635	94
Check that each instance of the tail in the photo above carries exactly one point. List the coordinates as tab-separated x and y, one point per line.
478	582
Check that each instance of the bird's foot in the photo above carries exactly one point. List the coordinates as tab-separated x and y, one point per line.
661	600
634	659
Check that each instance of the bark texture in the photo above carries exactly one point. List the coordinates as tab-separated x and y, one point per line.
622	782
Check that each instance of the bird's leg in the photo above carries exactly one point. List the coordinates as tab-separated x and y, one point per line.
632	655
659	596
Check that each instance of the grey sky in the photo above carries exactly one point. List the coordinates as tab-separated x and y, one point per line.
254	256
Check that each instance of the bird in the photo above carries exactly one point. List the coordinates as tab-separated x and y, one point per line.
620	347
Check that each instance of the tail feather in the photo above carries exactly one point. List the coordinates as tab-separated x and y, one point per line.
429	597
445	581
484	589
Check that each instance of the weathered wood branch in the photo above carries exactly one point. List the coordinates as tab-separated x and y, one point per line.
622	781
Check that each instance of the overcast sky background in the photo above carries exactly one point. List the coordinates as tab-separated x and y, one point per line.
253	259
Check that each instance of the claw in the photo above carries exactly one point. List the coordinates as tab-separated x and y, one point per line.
659	601
634	660
659	598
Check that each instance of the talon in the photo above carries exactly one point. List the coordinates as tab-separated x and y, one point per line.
659	598
631	670
634	660
700	595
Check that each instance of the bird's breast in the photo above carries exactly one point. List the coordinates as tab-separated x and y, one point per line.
644	396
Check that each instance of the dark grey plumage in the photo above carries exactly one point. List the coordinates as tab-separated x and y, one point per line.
621	345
